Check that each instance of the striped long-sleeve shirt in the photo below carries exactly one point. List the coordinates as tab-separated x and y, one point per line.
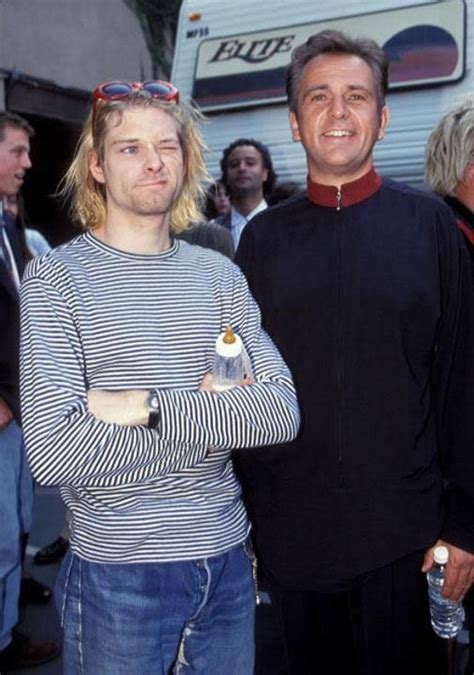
94	317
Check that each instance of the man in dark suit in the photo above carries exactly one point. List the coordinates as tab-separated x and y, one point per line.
248	175
16	651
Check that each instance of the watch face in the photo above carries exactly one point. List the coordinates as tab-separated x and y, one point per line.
153	401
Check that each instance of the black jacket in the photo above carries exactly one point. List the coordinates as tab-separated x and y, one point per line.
9	325
366	305
465	221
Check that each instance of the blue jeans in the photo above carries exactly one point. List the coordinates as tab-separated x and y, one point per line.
158	618
16	498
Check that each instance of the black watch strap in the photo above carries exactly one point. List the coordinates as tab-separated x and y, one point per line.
154	416
154	419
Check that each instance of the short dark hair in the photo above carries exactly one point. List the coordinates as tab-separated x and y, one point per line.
337	42
266	158
8	119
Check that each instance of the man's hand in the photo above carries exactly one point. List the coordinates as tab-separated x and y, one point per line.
128	408
207	383
459	570
6	415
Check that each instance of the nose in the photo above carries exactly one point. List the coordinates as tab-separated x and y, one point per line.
339	108
154	160
26	163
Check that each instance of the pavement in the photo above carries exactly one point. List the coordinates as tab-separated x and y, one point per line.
41	622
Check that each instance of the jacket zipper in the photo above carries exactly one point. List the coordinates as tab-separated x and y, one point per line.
339	340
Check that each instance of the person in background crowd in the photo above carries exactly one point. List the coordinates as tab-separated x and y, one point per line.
248	175
31	589
283	191
16	494
210	234
364	287
118	336
15	205
37	245
217	201
449	171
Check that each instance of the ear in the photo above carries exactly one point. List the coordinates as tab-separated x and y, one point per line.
295	130
384	119
95	167
469	174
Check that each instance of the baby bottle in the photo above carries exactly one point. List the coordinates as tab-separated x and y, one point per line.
228	362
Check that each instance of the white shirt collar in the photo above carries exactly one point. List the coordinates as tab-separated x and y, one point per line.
238	221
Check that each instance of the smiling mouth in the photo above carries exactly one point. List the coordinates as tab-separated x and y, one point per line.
337	133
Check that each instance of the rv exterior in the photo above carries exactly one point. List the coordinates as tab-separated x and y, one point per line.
231	56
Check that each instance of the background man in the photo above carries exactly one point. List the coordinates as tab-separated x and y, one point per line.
247	173
16	493
362	284
118	334
450	173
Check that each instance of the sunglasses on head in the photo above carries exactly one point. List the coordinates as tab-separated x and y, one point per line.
117	90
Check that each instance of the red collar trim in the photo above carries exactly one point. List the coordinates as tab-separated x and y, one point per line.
466	229
350	193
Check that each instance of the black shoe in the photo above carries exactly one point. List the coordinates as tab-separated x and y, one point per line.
25	653
33	591
52	553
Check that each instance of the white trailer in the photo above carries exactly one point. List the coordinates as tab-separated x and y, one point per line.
231	55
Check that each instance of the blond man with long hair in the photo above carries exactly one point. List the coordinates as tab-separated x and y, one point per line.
119	328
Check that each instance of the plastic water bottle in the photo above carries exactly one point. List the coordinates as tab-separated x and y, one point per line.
228	361
446	616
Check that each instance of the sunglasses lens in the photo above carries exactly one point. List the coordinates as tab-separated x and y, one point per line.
116	89
157	88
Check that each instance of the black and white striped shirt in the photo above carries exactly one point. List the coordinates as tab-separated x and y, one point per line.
96	317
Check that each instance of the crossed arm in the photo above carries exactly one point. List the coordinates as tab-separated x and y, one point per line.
129	408
82	436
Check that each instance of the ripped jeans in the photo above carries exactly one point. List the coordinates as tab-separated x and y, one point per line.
158	618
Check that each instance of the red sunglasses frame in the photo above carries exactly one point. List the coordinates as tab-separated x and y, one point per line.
99	94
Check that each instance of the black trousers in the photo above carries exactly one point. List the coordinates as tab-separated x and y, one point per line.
469	608
380	625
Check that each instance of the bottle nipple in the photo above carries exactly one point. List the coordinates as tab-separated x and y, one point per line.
229	337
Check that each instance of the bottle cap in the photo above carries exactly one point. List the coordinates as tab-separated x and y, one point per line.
229	344
441	555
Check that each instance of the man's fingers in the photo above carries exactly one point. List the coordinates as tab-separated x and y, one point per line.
456	582
428	560
207	382
246	381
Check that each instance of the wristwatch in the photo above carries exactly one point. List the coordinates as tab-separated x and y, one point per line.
154	414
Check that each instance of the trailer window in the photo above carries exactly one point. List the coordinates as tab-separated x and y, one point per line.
425	45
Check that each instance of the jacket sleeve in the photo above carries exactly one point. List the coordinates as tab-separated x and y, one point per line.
67	445
453	386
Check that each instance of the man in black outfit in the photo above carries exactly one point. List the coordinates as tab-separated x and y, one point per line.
362	283
450	174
